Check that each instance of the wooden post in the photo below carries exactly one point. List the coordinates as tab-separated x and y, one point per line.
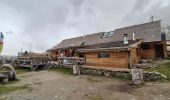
129	59
165	50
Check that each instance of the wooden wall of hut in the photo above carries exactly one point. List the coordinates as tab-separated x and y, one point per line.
154	50
148	51
168	48
135	55
116	59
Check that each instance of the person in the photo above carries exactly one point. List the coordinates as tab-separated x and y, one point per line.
61	54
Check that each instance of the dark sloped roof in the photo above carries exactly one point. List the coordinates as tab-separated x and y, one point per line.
104	49
114	44
149	32
118	45
86	40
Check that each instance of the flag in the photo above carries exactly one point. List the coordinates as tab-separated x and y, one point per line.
1	41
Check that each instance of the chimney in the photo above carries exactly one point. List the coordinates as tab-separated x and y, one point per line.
133	36
125	38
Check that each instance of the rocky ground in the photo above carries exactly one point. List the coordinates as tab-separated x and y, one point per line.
49	85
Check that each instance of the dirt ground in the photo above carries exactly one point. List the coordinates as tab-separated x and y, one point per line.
48	85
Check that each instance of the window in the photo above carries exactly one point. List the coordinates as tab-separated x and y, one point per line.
104	35
110	34
104	55
107	34
145	46
81	55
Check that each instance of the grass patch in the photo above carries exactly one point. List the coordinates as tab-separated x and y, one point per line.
9	82
7	89
2	98
22	70
163	68
63	70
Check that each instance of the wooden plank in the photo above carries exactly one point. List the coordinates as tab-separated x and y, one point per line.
29	66
148	53
34	68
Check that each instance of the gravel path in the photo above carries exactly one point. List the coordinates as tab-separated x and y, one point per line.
47	85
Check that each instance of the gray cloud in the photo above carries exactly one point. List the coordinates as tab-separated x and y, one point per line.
44	23
143	9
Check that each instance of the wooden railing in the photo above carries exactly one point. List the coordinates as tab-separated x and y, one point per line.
71	61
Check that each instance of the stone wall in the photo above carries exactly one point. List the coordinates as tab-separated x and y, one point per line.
147	76
153	76
115	74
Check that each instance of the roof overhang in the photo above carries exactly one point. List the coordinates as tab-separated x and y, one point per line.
71	47
125	48
105	49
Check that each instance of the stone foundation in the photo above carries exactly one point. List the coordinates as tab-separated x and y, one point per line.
147	76
108	73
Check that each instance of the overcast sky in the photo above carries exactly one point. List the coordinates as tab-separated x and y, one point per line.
40	24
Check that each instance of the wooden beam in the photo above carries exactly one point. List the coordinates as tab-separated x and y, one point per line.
129	59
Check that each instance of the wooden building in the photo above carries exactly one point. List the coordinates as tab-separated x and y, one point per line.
119	48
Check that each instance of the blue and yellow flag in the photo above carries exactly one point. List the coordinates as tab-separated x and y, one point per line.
1	41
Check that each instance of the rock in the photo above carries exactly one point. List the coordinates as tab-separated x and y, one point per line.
147	76
76	70
153	76
107	74
137	76
143	65
163	76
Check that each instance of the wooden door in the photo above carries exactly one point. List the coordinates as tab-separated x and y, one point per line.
159	51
